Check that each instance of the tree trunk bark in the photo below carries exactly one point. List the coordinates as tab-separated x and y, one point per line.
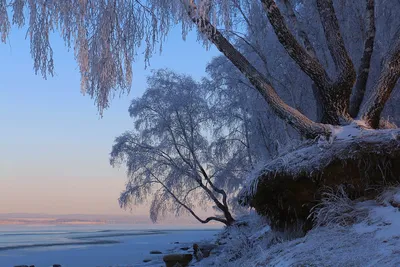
363	70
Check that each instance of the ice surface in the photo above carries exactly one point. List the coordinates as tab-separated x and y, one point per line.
132	249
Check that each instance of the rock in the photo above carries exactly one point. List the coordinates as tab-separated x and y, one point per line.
155	252
185	248
176	242
174	260
21	266
56	265
202	250
32	266
146	260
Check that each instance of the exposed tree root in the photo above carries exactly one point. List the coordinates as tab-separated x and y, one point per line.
288	187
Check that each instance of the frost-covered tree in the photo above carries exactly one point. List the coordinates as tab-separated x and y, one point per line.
350	58
170	155
106	35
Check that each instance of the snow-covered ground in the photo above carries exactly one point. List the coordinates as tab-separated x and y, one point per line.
370	238
132	248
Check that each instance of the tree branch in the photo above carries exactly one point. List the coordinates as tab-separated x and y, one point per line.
304	125
363	70
346	73
307	63
384	87
224	206
297	25
187	207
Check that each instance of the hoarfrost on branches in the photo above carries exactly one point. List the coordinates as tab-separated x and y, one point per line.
105	34
171	156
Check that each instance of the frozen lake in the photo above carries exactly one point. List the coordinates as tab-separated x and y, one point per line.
93	246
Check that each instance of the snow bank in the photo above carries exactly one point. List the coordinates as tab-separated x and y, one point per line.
374	240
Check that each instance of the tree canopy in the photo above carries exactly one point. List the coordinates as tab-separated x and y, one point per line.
106	35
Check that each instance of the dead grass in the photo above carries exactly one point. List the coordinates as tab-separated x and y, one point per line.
337	209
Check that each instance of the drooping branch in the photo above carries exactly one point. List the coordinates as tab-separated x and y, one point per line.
384	87
304	125
364	68
345	68
4	22
308	64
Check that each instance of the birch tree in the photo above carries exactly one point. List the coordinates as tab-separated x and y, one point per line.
170	154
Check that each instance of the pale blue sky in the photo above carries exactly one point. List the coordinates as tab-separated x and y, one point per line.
54	147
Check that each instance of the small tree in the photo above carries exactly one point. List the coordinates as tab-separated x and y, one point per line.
169	155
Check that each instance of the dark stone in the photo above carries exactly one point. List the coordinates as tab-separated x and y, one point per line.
176	242
202	250
185	248
173	260
155	252
146	260
21	266
56	265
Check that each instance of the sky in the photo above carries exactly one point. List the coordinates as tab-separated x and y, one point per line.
54	147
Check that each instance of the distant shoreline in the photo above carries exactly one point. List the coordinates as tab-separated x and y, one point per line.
50	222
